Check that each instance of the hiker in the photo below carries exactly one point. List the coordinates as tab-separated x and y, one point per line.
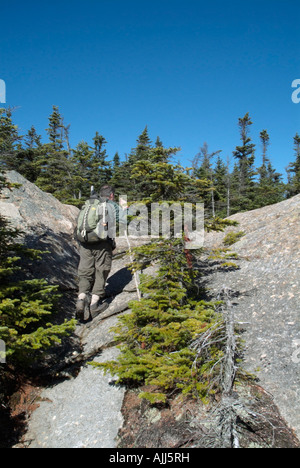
96	232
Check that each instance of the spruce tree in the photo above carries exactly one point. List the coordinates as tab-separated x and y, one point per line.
9	138
221	177
293	170
204	171
158	143
157	335
27	157
120	172
101	168
265	141
26	306
55	130
148	167
32	139
246	171
116	161
141	151
55	168
82	172
270	188
159	181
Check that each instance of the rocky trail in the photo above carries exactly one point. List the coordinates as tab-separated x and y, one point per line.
85	410
82	408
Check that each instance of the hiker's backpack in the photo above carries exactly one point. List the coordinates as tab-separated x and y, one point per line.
93	221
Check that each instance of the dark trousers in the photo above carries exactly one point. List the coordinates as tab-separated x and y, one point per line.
94	267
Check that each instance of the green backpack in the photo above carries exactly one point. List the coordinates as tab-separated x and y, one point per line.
92	223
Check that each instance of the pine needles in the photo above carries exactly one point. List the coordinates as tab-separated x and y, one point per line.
157	339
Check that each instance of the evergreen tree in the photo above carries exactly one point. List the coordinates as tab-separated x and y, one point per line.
221	179
142	160
55	168
101	168
27	157
235	199
120	172
141	151
121	181
83	172
66	136
159	181
158	143
25	305
263	171
293	170
157	335
205	172
270	188
55	130
246	172
244	152
32	139
160	154
9	139
116	161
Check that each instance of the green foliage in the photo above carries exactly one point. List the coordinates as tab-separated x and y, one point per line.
160	181
233	237
225	257
294	169
245	155
68	173
53	164
26	306
156	336
8	137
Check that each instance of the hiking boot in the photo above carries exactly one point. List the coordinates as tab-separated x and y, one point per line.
98	308
80	304
83	309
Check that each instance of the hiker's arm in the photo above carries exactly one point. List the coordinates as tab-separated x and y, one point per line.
120	213
123	212
123	203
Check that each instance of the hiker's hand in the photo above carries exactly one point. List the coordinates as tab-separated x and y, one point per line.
123	203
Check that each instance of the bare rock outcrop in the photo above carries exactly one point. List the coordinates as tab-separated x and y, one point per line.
46	225
86	409
32	210
267	298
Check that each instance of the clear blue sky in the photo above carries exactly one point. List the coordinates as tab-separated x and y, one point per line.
186	68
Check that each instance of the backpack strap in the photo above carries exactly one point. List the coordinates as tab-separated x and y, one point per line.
104	214
84	224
